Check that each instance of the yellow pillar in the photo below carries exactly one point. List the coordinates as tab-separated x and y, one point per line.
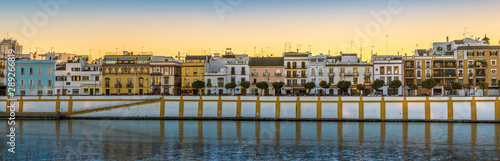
58	105
339	108
70	104
278	107
473	109
181	106
238	107
382	108
21	104
200	107
427	109
450	109
297	109
257	107
497	109
361	108
405	109
219	107
318	108
162	107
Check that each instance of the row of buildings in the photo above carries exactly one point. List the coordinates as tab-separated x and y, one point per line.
466	61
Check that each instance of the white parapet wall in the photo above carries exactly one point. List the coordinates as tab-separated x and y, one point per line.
266	107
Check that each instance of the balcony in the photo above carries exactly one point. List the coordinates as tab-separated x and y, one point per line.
255	74
480	75
331	74
220	84
265	74
368	74
349	74
320	73
481	66
471	75
460	66
277	74
130	85
153	84
313	74
209	84
118	85
409	76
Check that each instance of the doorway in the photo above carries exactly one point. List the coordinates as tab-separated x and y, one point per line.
107	92
91	91
140	91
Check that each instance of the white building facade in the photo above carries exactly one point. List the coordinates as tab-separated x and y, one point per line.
388	68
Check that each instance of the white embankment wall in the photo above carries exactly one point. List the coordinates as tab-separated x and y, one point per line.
256	107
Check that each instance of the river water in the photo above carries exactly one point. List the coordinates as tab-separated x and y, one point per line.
249	140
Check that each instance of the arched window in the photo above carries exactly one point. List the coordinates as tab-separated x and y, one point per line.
303	65
288	65
132	70
119	70
294	64
312	71
22	82
141	82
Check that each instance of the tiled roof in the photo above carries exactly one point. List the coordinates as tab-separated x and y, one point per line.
266	61
477	47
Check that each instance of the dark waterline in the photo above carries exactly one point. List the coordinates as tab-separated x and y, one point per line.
249	140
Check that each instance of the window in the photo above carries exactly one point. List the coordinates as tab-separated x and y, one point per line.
389	70
480	53
419	73
187	72
382	79
23	93
22	82
31	71
50	92
355	70
97	90
303	65
22	71
50	71
288	65
195	72
470	53
493	72
493	62
76	91
39	71
31	82
166	80
85	78
294	65
493	53
96	78
49	83
85	90
427	64
382	70
419	64
75	69
40	92
75	78
355	80
396	70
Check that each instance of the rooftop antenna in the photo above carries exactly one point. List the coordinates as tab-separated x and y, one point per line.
465	32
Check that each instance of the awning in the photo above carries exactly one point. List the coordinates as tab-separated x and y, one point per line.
438	60
166	86
110	59
142	58
481	60
450	61
124	59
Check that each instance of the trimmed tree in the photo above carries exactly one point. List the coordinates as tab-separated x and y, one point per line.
277	87
262	86
245	85
483	85
394	85
413	87
230	86
447	88
198	85
343	86
377	84
467	89
309	86
429	83
324	85
455	86
360	87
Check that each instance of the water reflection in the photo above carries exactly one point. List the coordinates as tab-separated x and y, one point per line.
161	140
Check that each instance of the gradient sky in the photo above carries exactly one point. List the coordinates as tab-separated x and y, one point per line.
166	27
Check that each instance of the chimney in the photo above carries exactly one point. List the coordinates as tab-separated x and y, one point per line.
447	39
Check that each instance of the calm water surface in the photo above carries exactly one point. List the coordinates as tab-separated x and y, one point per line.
250	140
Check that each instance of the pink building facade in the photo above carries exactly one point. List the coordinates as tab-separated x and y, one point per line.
266	69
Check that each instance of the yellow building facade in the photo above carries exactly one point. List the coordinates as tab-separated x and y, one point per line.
193	69
126	74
